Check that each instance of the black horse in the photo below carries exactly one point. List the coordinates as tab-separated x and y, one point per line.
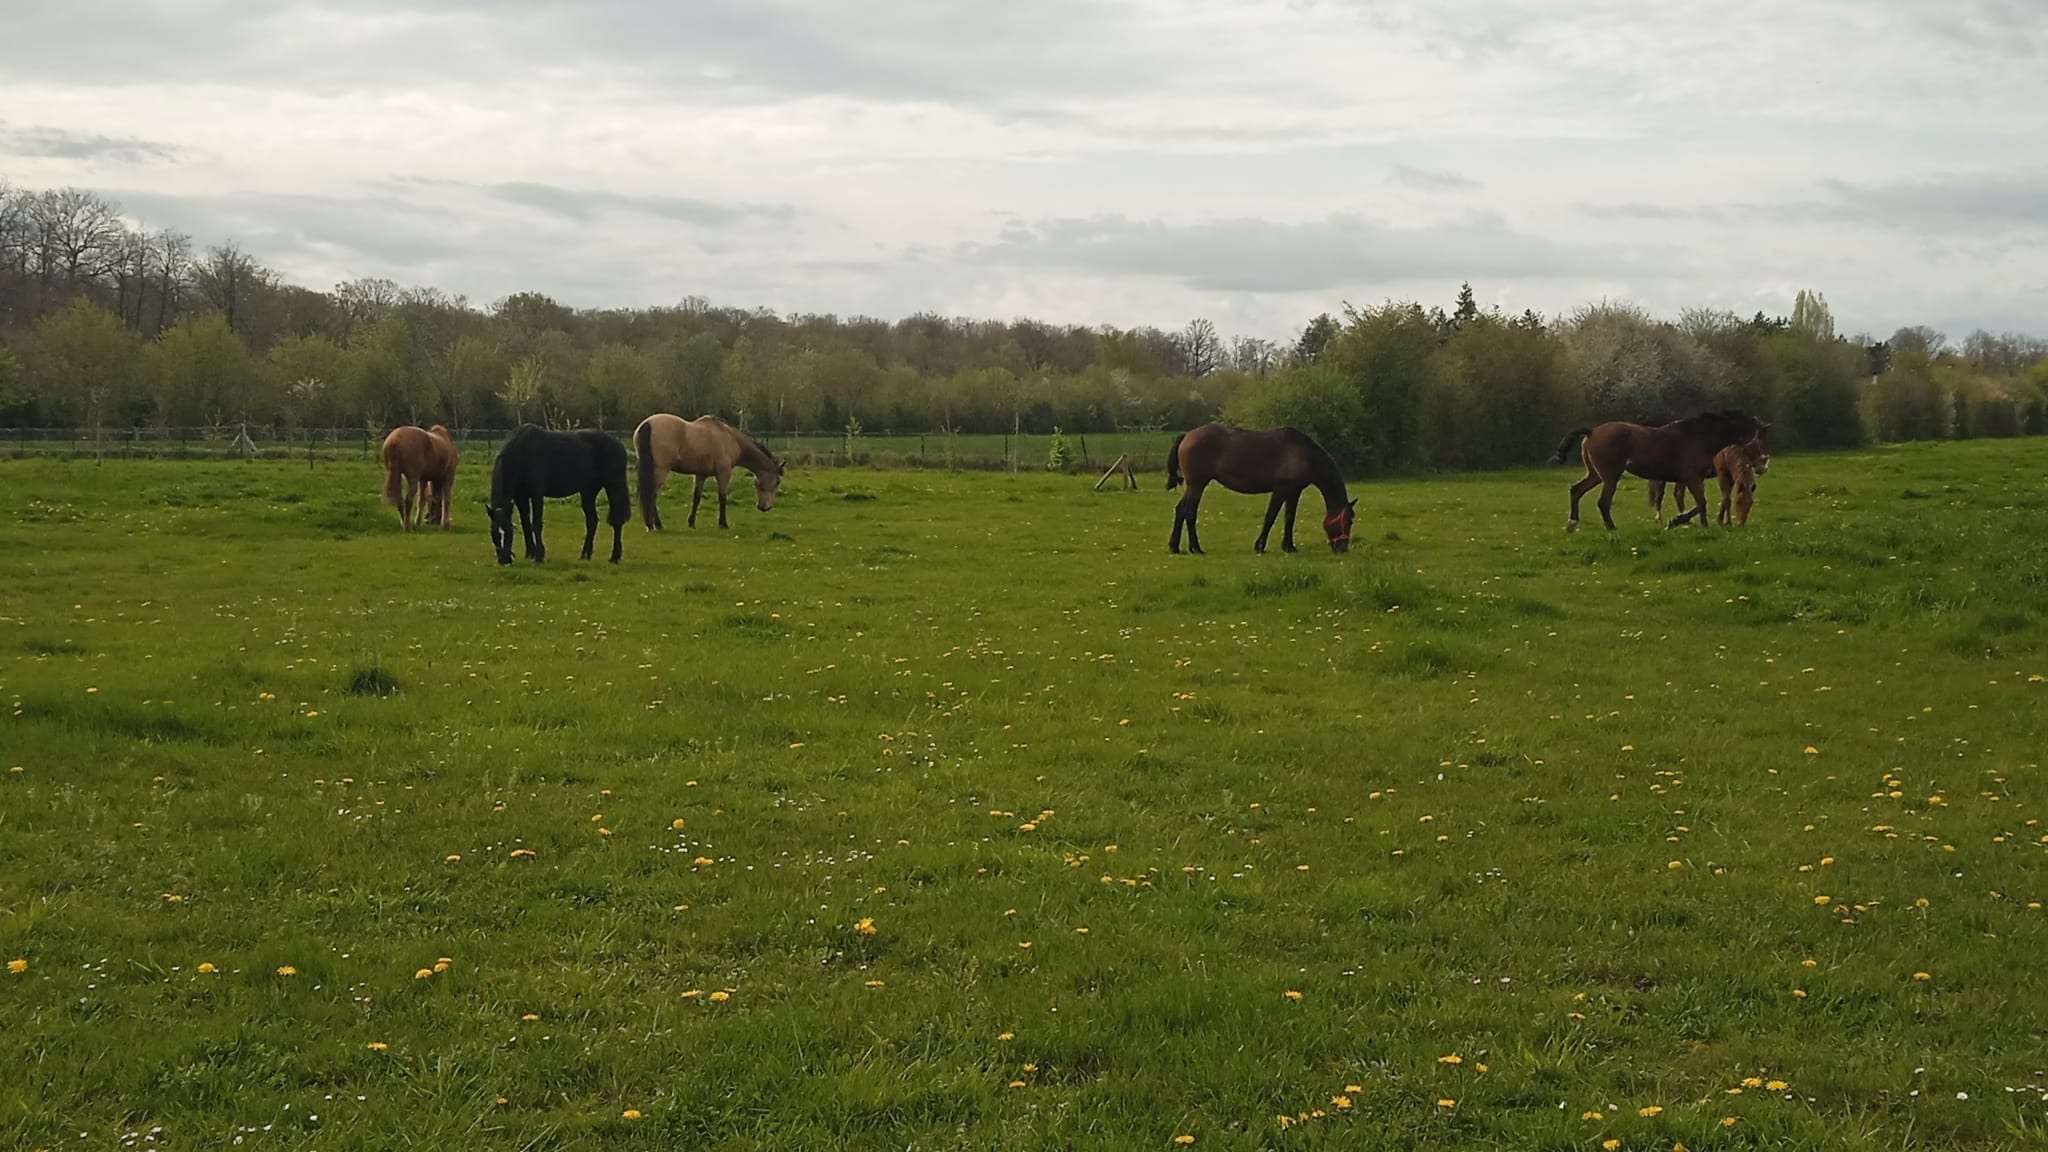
536	464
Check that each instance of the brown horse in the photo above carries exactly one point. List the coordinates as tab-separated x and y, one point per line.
1281	461
1737	466
706	446
1681	452
424	459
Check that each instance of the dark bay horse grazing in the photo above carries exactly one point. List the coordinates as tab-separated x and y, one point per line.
1681	452
1281	461
1737	467
423	461
706	446
536	464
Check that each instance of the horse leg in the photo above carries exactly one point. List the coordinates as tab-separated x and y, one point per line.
724	478
1587	483
406	519
1607	500
1180	515
1272	510
537	544
589	522
1193	503
1727	486
1656	493
1287	532
696	494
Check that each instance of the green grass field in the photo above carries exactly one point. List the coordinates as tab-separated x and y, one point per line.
950	811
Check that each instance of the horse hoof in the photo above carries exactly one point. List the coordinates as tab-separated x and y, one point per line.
1571	525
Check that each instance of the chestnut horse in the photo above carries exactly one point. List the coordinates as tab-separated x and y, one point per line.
706	446
1681	452
1281	461
1737	466
424	459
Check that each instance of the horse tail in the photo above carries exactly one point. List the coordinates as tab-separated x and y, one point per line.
391	477
643	446
1173	463
1570	441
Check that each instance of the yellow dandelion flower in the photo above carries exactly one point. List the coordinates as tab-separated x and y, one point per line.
207	968
1727	1121
1809	962
1590	1114
377	1046
1183	1138
17	966
1752	1081
1480	1067
630	1114
865	926
720	997
1016	1084
682	907
451	858
704	861
676	823
423	974
874	983
1006	1037
1342	1102
173	898
287	970
1446	1102
1080	931
1453	1058
1031	1067
1812	751
1291	994
1777	1086
1922	976
1822	899
1649	1111
1353	1089
1610	1144
692	994
1675	864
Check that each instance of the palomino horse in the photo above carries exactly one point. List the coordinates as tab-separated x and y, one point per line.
1737	466
1681	452
536	464
1282	461
424	460
706	446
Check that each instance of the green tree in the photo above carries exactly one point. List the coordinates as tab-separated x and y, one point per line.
523	385
199	371
621	384
1314	338
306	373
691	373
470	367
84	358
17	403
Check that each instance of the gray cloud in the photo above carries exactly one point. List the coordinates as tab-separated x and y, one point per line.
1250	255
59	143
1969	203
1429	179
387	231
587	205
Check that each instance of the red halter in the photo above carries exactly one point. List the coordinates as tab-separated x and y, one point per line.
1337	521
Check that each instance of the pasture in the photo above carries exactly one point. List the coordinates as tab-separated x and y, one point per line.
950	811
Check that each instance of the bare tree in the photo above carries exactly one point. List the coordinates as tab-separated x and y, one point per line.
227	278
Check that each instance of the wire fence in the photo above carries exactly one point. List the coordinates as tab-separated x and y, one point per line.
1073	452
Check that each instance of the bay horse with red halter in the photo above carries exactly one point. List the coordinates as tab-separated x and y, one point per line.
1282	461
1681	452
1737	467
419	463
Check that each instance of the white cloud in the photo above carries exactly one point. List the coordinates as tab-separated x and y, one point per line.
1118	161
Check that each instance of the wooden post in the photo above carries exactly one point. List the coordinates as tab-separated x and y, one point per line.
1112	471
1130	478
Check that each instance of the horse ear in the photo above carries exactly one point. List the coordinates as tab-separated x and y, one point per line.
1351	503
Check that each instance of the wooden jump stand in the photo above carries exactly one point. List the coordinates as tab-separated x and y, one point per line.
1123	464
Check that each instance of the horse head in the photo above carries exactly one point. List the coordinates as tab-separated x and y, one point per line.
501	530
766	481
1338	527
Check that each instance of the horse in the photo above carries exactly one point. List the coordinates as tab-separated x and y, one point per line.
706	446
1737	466
535	464
423	460
1681	452
1282	461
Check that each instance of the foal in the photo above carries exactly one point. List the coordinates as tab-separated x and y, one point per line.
1737	466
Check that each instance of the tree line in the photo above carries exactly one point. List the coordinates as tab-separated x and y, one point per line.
104	325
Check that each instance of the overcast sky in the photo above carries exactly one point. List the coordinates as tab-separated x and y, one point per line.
1122	161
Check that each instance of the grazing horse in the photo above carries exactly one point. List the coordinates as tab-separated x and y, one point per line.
536	464
423	459
1737	466
1281	461
1681	452
706	446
